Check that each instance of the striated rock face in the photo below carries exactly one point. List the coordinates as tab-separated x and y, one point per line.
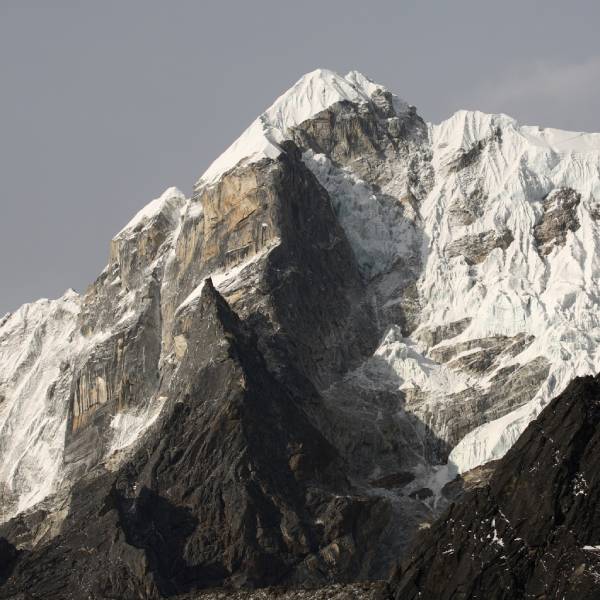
432	336
375	140
533	531
453	417
480	354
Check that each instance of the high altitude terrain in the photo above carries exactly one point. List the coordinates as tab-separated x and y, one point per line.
274	380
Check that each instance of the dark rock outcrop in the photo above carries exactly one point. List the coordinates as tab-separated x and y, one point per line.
476	247
356	591
317	296
233	486
468	157
558	218
432	336
468	481
534	530
487	348
466	210
8	558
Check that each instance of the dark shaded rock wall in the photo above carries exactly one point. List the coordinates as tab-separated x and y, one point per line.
233	486
534	531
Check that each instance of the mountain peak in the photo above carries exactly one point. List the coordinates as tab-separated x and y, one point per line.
467	127
311	94
171	200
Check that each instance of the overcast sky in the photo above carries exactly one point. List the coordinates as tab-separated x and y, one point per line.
105	104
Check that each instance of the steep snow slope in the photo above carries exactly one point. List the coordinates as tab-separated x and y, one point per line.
36	343
553	297
509	244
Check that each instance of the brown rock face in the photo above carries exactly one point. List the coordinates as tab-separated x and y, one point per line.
240	217
120	372
280	207
274	206
475	248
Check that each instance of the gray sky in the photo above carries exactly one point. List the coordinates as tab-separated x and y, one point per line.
103	105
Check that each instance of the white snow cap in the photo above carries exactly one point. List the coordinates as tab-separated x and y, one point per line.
318	90
466	127
311	94
171	200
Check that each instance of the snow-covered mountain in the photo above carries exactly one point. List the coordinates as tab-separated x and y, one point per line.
503	220
421	291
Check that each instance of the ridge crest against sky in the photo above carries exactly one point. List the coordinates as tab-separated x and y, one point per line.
105	106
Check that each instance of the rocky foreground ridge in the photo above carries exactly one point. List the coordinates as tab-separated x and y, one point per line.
534	530
276	381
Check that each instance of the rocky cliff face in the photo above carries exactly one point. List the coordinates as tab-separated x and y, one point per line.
390	302
213	407
232	485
